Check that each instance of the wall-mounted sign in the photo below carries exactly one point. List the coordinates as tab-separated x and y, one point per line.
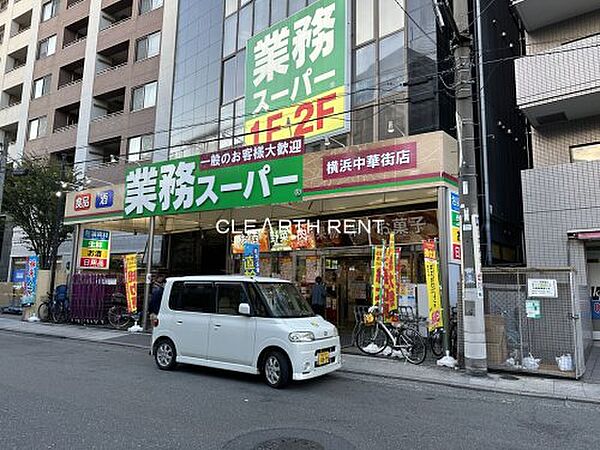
94	249
296	75
130	268
432	279
83	202
200	183
105	199
367	162
533	309
542	288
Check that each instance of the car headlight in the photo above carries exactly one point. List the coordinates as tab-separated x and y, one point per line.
335	332
301	336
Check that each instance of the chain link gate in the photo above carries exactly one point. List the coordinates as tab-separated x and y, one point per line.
533	333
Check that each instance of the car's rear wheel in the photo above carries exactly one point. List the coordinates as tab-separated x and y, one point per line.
165	355
276	370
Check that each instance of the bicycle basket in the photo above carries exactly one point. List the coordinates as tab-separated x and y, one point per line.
369	319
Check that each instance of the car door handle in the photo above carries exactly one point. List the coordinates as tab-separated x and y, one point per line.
179	322
217	325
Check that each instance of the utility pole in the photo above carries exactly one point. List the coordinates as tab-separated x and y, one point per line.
472	289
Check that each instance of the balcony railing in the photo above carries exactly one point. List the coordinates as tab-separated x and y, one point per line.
74	41
111	68
107	116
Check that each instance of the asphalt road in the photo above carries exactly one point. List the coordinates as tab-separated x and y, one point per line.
62	394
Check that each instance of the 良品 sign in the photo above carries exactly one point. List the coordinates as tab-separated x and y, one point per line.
296	75
542	288
94	249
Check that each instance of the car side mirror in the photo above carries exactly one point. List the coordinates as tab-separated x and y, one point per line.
244	309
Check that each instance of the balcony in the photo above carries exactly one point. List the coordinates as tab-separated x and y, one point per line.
75	32
554	86
116	14
21	24
16	59
70	74
541	13
112	58
66	117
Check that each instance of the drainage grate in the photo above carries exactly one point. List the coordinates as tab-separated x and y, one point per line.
289	443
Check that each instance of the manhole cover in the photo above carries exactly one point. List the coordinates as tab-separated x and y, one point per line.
289	444
289	439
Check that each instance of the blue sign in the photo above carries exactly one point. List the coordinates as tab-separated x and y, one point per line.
595	309
105	199
18	275
251	260
31	275
96	235
454	201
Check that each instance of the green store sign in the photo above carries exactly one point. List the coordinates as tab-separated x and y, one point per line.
249	176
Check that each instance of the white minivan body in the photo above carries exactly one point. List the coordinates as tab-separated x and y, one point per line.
248	324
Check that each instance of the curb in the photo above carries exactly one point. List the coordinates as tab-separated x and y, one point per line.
430	381
75	338
475	388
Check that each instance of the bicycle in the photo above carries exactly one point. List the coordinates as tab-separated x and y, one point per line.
118	316
436	337
374	336
55	309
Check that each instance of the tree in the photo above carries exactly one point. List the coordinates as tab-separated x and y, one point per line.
31	201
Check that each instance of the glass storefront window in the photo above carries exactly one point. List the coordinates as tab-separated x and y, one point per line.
391	16
278	10
392	72
362	125
392	117
230	6
226	125
364	24
296	5
245	25
261	15
364	75
229	84
229	35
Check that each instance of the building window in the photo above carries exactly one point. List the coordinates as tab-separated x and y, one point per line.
139	147
380	71
588	152
47	47
37	127
144	96
49	10
149	5
148	46
41	86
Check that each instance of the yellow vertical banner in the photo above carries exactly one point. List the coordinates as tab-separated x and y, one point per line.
376	273
433	284
390	282
131	282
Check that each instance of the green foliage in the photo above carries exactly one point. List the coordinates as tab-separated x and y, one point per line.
30	200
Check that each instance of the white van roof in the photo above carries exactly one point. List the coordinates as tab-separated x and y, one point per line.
224	278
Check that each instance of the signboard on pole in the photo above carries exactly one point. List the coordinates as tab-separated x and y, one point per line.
31	276
377	267
131	282
94	249
390	282
433	284
251	260
296	75
455	249
249	176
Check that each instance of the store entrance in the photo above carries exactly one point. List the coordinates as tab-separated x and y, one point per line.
348	285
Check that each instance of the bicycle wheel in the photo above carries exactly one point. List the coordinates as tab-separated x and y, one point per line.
371	340
413	346
454	341
59	313
118	317
436	339
43	311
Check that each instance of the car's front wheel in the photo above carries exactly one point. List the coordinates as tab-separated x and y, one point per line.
276	370
165	355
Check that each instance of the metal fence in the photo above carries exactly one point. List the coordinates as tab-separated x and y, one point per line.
534	331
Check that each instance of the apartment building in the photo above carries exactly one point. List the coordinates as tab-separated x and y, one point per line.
86	74
558	89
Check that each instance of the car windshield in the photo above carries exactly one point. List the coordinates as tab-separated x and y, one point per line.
284	300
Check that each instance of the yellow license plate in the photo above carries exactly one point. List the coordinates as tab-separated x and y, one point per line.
322	358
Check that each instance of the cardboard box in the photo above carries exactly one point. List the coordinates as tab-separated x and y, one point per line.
495	329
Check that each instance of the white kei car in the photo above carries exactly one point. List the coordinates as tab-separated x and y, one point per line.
246	324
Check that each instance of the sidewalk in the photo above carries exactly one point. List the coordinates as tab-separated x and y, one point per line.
577	391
